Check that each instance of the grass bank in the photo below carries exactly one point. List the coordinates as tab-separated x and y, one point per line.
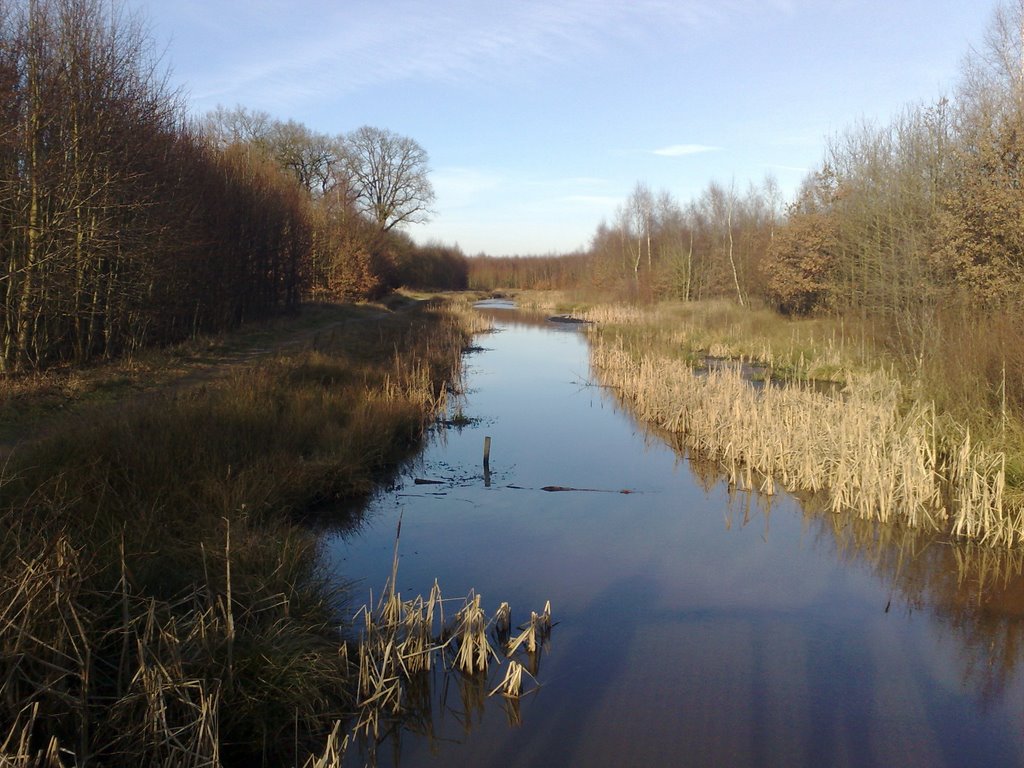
882	441
159	603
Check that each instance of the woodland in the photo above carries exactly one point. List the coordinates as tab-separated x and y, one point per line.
124	223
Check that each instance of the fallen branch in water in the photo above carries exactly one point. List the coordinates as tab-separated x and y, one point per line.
560	488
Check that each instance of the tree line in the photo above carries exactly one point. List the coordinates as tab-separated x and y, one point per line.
655	247
364	188
124	224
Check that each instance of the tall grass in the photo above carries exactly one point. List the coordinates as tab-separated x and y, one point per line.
159	603
877	450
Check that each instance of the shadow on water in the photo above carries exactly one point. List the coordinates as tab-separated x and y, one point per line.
698	624
561	739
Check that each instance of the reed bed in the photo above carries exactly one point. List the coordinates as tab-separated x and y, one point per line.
460	309
808	350
873	455
402	641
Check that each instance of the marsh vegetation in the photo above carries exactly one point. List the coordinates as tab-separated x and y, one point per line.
877	447
161	600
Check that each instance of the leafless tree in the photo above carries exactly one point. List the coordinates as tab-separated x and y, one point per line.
389	174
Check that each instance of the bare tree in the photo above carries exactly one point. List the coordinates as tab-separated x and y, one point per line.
312	158
389	176
731	199
119	227
223	126
996	70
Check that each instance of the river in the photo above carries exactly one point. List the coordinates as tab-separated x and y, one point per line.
696	626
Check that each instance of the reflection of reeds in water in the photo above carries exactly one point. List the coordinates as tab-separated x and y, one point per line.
869	454
975	590
400	640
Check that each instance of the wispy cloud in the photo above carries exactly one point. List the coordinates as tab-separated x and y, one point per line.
597	201
459	187
681	150
794	168
365	44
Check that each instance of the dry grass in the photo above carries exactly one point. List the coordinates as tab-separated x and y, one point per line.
965	370
814	349
159	605
875	455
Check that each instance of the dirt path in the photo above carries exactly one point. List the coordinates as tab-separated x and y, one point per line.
35	405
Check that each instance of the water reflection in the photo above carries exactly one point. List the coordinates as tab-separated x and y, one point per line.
700	624
976	591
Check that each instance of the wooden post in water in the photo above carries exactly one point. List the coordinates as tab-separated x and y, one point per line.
487	461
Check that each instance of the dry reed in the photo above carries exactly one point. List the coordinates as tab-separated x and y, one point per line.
400	639
873	455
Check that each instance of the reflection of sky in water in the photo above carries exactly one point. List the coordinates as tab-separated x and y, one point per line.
685	636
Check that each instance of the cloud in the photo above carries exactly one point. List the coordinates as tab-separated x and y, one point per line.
794	168
681	150
459	187
332	50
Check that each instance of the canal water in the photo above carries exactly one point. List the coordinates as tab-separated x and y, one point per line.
695	625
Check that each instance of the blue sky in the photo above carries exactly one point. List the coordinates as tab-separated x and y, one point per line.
539	116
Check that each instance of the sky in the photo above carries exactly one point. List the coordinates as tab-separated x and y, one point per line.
540	116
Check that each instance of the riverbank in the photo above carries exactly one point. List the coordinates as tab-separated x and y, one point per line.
837	418
842	417
159	601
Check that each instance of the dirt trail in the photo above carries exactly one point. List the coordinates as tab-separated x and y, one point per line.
34	407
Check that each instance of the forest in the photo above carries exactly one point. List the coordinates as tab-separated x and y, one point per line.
124	223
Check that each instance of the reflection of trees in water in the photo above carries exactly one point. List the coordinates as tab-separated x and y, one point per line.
526	318
975	591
